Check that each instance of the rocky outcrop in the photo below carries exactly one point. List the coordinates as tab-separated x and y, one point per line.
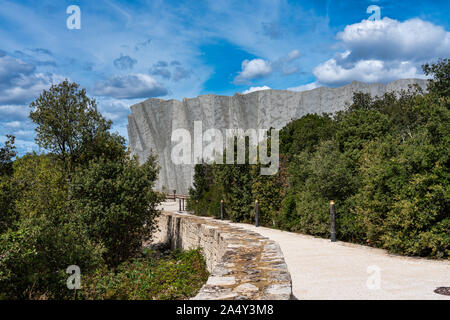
242	264
151	122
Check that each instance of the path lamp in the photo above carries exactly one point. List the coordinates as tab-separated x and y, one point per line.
221	210
256	213
332	221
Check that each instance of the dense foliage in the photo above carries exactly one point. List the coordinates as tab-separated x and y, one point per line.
174	275
384	161
85	203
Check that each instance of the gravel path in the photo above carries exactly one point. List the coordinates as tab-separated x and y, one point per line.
321	269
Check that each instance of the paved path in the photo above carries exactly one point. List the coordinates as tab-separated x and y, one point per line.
321	269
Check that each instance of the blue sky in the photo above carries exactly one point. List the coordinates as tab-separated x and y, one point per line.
127	51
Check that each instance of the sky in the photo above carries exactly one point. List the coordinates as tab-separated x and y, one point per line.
124	52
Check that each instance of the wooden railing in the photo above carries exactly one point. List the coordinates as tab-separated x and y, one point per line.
181	198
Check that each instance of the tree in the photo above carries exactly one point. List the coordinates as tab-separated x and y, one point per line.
7	192
41	240
67	122
7	153
117	205
441	77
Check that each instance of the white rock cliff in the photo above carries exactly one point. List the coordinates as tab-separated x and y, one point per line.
151	122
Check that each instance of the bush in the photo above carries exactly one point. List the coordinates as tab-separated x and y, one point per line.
176	275
116	202
36	254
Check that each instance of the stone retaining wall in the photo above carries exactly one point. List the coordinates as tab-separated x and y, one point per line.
242	264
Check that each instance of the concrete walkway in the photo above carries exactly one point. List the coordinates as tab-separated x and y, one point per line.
321	269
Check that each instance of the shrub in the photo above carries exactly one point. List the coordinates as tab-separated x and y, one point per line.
36	254
176	275
116	202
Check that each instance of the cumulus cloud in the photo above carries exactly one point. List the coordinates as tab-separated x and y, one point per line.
160	69
384	50
294	54
115	110
166	74
253	89
36	56
305	87
389	39
366	71
19	81
130	86
124	62
181	73
253	69
14	113
260	68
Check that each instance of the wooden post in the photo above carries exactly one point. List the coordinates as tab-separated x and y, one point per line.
183	204
221	209
179	205
256	213
174	197
332	221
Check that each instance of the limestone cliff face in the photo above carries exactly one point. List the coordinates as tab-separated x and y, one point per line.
151	122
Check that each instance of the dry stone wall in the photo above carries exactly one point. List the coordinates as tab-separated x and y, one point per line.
242	264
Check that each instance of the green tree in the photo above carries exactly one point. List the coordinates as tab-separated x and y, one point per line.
42	240
117	204
7	153
68	123
7	192
305	133
440	71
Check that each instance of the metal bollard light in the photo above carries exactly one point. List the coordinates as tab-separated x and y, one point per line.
332	221
221	210
256	213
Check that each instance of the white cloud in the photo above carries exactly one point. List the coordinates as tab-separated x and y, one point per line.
260	68
384	50
304	87
389	39
124	62
115	110
253	89
294	54
366	71
26	88
252	69
13	124
131	86
19	81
